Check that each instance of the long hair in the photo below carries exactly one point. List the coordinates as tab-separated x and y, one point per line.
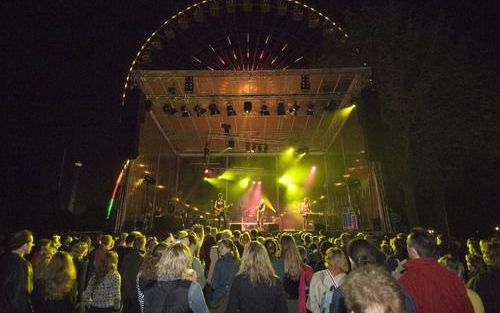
59	277
148	267
175	260
256	265
107	264
228	243
292	260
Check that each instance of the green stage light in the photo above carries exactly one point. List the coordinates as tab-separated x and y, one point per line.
244	182
284	180
345	112
227	175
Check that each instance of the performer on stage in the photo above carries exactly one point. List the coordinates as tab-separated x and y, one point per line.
305	209
220	210
261	208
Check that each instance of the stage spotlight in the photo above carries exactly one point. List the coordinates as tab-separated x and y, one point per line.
259	182
310	110
149	180
167	108
199	110
209	172
253	182
281	109
331	105
264	110
230	110
303	150
185	111
213	109
247	106
313	168
293	109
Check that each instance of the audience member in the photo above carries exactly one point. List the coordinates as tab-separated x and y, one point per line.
328	279
432	288
128	271
453	264
487	284
297	274
225	269
79	253
103	290
191	241
172	292
256	287
16	274
55	292
371	289
277	263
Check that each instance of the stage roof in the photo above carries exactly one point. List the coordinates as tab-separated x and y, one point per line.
325	92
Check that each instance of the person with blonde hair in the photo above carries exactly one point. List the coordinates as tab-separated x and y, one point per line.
55	291
103	290
256	287
176	289
371	289
327	280
297	275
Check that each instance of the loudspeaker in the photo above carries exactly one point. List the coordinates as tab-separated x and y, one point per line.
371	121
235	227
132	115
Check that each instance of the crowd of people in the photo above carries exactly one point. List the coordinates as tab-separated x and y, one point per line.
204	269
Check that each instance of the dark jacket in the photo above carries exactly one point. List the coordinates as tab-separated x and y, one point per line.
225	269
245	297
64	305
129	269
16	284
487	286
166	296
81	277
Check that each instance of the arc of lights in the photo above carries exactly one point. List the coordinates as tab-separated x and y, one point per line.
189	8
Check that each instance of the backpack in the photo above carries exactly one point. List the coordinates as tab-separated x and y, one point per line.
327	297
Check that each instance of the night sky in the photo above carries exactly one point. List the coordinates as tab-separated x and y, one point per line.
64	64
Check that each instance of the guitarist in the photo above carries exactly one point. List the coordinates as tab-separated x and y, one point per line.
261	208
220	211
305	209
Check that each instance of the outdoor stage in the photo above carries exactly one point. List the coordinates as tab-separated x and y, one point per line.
253	122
